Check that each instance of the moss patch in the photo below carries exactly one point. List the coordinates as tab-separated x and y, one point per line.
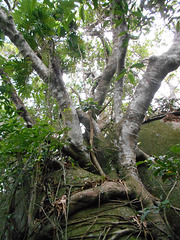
157	137
103	221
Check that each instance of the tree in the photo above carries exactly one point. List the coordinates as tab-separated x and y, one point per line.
49	39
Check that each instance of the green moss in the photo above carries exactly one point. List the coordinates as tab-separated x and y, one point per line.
157	137
96	221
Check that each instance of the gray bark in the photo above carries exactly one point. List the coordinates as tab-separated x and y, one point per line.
119	84
84	119
158	68
109	71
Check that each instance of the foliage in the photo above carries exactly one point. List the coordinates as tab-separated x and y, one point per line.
163	105
89	104
166	166
19	70
22	147
166	105
161	206
6	105
48	26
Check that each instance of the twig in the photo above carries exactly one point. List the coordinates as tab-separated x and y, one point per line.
73	90
106	232
175	182
120	233
8	4
104	107
89	227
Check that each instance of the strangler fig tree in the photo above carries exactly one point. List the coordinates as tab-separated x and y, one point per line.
87	42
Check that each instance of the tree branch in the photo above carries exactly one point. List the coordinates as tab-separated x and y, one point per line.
103	41
84	119
157	69
21	109
8	4
119	84
110	69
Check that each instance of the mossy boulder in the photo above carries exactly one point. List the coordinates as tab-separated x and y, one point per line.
157	137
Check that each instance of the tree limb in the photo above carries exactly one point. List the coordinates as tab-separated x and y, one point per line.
119	84
84	119
157	69
21	109
110	69
8	4
103	41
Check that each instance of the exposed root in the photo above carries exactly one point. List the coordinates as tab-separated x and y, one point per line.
160	230
121	233
105	192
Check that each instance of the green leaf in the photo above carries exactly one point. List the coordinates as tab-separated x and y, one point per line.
178	26
28	6
105	23
137	14
122	33
137	65
81	12
165	202
70	18
95	3
65	26
2	60
121	75
61	31
118	22
2	37
125	43
126	7
175	149
131	78
68	5
141	162
50	4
